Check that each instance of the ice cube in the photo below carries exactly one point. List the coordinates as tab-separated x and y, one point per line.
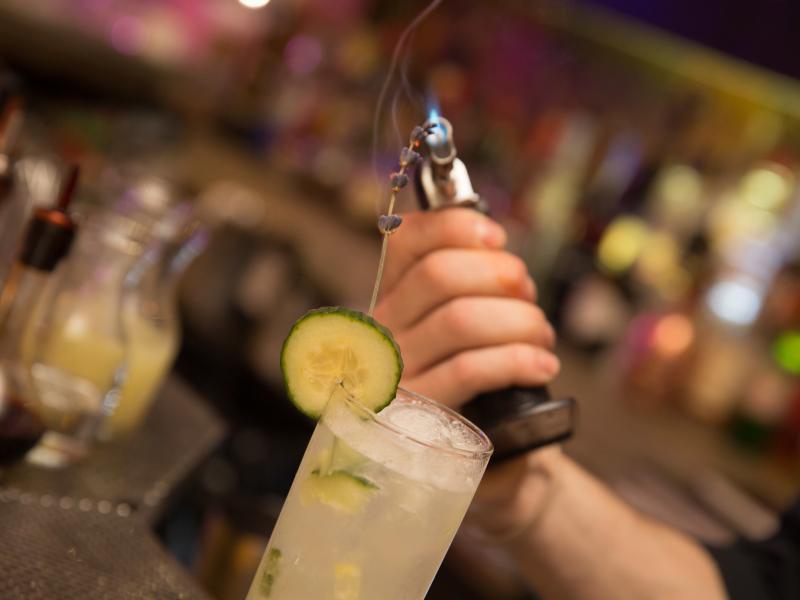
432	427
462	437
416	454
422	425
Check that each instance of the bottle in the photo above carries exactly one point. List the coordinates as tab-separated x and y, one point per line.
13	205
46	243
152	324
77	348
21	427
10	121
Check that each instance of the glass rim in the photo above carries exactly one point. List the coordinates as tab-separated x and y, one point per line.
375	417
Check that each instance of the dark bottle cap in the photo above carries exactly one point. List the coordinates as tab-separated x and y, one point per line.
48	239
50	234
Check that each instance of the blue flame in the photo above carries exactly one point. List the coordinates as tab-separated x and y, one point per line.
438	134
432	104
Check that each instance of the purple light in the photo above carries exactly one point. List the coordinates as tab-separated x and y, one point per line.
303	54
127	35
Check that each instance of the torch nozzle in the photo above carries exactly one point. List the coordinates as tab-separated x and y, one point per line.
442	179
440	144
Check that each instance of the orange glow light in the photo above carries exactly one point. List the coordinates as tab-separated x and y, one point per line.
673	335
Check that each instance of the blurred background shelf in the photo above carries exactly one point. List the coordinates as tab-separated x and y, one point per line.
646	47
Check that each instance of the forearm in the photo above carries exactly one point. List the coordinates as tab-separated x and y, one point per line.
586	543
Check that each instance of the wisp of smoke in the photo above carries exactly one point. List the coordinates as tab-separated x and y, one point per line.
399	58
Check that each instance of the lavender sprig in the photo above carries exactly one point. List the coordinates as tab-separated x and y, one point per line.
390	222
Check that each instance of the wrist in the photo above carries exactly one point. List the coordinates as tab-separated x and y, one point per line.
514	496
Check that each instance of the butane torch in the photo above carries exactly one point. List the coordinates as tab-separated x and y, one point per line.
516	419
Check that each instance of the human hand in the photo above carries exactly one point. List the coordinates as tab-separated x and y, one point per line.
513	495
462	308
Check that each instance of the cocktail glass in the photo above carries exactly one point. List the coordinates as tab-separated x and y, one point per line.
375	503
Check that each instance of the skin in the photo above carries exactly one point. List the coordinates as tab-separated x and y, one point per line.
463	312
446	273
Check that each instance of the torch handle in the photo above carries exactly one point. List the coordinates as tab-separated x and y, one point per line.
521	419
517	419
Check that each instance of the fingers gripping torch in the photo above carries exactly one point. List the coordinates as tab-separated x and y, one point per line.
516	419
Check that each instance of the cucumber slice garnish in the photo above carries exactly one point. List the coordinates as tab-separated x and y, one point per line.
340	490
328	346
270	574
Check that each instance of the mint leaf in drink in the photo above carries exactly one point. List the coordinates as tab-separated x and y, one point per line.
271	570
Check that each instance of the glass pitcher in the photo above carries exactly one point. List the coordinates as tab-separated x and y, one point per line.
77	347
151	320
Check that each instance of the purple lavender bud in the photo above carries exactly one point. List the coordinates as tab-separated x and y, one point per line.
418	134
389	223
398	181
409	157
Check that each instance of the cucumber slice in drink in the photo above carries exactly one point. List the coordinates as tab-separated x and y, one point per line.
340	490
327	346
339	457
347	582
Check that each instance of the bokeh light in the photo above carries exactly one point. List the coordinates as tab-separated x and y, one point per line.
128	35
736	301
767	188
673	335
659	256
678	199
254	3
786	351
303	54
622	243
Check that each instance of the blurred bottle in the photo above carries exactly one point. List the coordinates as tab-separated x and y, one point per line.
787	447
767	417
781	314
151	320
554	189
77	347
667	134
652	355
10	121
13	207
21	427
718	366
23	417
765	404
